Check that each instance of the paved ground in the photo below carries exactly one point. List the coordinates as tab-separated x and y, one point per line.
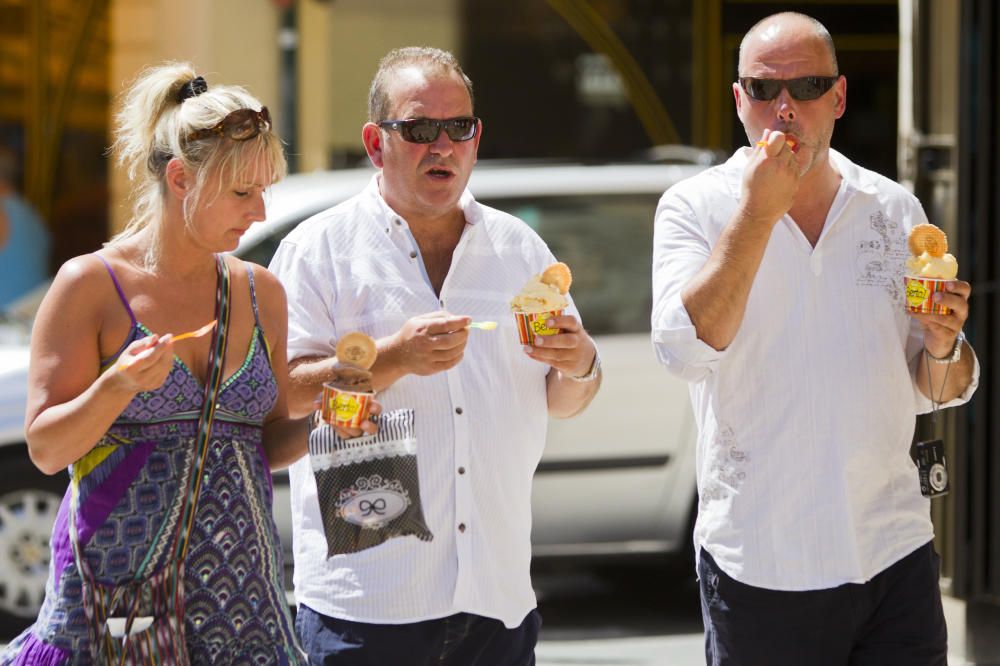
642	617
639	616
632	616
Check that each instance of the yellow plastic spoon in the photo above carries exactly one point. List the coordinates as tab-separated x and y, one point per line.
197	333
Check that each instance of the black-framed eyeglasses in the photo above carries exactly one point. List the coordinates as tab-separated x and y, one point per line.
804	88
427	130
238	125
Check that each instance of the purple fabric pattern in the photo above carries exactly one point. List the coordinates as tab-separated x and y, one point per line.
35	653
103	499
62	550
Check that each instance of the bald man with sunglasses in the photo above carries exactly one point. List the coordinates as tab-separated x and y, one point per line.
778	294
411	261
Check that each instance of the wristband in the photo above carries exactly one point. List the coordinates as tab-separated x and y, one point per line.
956	352
591	375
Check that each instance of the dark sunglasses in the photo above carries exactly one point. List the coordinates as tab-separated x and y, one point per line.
239	125
427	130
804	88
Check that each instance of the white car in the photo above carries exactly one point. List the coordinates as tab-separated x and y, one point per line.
29	500
616	480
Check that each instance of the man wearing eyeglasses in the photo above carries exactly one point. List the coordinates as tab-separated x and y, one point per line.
778	293
412	261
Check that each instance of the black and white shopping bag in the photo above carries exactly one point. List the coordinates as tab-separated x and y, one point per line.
369	489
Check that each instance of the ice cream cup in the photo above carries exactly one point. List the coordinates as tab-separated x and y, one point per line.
920	292
343	407
530	324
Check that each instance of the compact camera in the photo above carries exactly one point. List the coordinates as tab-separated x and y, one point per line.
932	468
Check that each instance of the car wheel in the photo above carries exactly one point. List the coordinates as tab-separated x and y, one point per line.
29	502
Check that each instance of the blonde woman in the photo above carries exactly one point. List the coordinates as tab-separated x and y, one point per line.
165	548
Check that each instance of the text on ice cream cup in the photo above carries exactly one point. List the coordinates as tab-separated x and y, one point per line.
530	324
344	408
920	293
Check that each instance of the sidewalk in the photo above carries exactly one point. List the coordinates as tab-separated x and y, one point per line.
684	650
689	649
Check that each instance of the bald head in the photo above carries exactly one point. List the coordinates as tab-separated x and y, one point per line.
786	28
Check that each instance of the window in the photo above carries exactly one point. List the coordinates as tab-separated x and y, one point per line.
262	251
607	241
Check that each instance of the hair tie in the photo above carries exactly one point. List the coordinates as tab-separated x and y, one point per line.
192	88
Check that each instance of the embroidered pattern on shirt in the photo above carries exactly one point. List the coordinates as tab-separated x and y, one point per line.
880	261
726	463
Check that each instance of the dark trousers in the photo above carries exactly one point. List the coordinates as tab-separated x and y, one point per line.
456	640
895	618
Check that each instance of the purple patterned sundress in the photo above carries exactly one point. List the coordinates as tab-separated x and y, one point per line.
235	608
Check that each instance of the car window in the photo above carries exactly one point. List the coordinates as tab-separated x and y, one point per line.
607	241
262	251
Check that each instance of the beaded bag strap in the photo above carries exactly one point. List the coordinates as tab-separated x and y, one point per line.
216	362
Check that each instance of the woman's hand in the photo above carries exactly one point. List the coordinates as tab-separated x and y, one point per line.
145	364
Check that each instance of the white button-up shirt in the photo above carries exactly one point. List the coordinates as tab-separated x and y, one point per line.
805	421
480	426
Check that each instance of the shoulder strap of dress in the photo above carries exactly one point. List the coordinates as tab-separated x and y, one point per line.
118	288
253	296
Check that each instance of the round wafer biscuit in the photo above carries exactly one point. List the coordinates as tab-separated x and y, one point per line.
357	349
927	238
559	276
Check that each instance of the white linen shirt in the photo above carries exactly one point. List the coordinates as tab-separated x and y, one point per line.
805	420
480	426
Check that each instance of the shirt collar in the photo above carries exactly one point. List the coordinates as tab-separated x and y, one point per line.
471	209
855	178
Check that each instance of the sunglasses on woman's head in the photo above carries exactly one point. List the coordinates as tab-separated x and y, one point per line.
239	125
804	88
427	130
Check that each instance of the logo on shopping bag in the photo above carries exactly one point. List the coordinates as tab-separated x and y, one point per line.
372	502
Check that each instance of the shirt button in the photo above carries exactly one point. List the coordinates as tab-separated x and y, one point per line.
461	470
399	222
461	527
413	254
458	410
